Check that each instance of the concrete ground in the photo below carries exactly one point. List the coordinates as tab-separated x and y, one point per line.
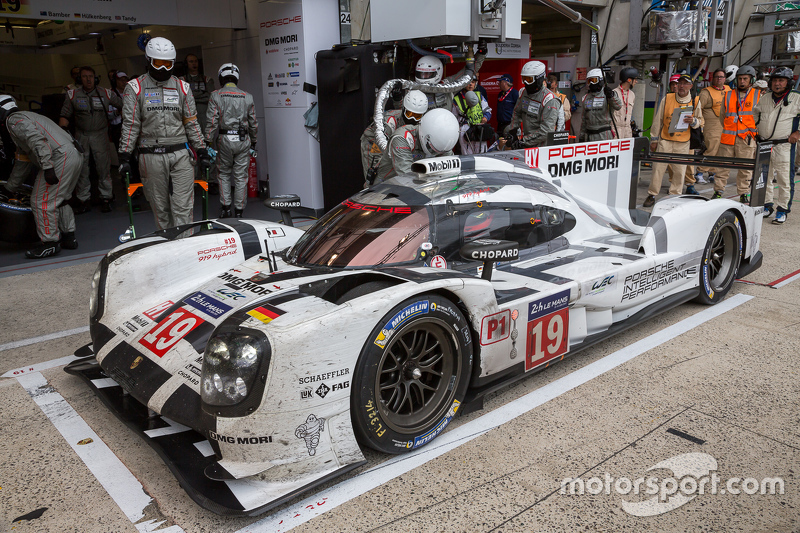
723	388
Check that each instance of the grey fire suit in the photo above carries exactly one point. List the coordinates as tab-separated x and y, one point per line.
161	118
445	100
232	122
538	113
42	143
90	114
596	122
202	87
403	149
370	151
776	121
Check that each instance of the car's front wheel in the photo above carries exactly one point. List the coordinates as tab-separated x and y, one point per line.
721	258
412	374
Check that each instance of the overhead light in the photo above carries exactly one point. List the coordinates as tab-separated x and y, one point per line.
524	22
95	33
73	38
46	45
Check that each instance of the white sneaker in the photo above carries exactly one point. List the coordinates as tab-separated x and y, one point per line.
780	218
699	177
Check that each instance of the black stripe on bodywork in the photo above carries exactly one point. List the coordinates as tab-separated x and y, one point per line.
143	380
421	277
185	404
503	296
251	246
630	242
100	334
199	336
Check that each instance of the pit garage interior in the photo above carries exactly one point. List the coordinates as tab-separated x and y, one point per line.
721	381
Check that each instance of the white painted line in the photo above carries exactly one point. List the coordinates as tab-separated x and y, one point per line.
345	491
38	367
787	281
103	383
205	448
43	338
171	429
118	481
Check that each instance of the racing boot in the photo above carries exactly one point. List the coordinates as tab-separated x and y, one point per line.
743	198
239	213
105	206
691	190
81	207
717	195
45	249
68	240
225	211
649	201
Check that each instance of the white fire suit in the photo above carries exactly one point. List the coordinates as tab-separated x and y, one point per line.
776	121
539	115
596	120
231	120
90	114
161	117
370	151
44	144
402	151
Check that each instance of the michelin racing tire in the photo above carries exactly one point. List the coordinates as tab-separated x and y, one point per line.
721	258
412	375
17	224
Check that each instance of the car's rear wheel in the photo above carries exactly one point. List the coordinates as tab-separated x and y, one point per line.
412	374
721	258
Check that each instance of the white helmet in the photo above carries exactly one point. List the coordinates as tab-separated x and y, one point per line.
438	131
533	74
160	54
730	73
7	106
595	79
415	104
229	69
429	70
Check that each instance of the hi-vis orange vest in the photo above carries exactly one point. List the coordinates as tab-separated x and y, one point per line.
738	116
670	105
717	96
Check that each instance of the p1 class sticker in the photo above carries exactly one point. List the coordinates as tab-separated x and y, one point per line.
438	261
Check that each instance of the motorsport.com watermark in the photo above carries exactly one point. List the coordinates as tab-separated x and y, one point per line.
693	475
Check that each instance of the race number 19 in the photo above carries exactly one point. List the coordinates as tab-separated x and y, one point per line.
547	338
169	331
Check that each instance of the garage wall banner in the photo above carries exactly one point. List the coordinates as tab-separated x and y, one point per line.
283	64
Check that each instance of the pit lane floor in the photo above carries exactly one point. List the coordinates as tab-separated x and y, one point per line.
719	381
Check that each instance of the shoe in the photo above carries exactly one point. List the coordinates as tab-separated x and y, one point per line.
717	195
68	240
744	199
105	207
225	212
711	178
649	201
46	249
780	217
239	213
81	207
699	177
691	190
768	210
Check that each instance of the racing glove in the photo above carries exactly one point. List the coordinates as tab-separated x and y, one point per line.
608	91
253	150
397	91
204	158
124	163
50	176
372	173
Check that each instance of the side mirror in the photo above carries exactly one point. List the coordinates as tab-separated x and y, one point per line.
490	251
284	203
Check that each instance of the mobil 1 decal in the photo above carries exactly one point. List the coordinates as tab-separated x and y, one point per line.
548	329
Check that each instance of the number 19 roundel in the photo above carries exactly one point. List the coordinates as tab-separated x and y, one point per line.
548	329
169	331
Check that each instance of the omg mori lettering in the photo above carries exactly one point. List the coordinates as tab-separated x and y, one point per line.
213	435
568	168
654	278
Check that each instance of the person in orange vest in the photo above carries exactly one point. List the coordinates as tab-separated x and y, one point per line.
672	140
711	104
738	137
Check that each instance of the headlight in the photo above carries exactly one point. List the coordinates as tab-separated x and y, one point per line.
231	364
94	297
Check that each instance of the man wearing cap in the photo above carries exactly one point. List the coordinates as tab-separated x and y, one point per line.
89	107
506	100
738	137
673	138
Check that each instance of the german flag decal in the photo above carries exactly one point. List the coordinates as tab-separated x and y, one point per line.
265	313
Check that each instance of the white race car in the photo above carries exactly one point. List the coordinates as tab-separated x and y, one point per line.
259	359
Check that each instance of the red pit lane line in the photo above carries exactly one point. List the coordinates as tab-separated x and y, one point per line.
772	284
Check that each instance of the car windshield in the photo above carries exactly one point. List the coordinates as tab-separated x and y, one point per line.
359	235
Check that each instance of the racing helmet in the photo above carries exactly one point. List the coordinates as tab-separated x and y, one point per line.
429	70
228	70
747	70
595	79
7	106
478	224
730	73
160	54
628	73
438	131
533	74
415	104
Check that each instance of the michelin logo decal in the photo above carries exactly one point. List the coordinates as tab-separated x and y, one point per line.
417	308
